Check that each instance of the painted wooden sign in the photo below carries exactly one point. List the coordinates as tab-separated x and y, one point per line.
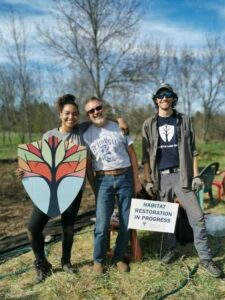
54	172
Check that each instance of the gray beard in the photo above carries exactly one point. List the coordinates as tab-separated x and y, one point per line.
100	122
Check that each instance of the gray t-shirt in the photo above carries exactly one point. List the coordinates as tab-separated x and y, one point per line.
108	147
76	136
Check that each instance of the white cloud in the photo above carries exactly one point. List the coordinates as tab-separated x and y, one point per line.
34	44
219	9
178	35
40	5
155	27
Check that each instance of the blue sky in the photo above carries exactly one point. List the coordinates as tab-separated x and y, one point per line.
180	22
184	22
202	15
24	7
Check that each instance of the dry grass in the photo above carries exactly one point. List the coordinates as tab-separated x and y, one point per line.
148	279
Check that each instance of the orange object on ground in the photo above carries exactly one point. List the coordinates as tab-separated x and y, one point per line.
135	245
220	184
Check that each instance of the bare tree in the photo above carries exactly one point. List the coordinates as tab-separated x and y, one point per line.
210	83
95	37
159	61
164	63
185	78
7	103
19	62
156	64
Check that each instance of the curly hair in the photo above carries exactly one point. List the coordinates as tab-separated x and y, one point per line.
66	99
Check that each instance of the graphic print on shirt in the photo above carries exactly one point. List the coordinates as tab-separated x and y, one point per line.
105	149
166	132
167	155
168	137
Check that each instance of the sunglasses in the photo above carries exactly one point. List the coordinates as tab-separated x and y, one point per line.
97	108
165	94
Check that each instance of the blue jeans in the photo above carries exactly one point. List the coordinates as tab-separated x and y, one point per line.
108	189
169	189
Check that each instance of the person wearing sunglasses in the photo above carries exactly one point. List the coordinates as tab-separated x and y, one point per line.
171	170
115	165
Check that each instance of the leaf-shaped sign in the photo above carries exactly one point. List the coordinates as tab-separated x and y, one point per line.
78	156
66	168
47	152
61	168
60	154
71	150
40	168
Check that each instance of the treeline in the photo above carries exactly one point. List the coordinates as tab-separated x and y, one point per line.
44	116
94	48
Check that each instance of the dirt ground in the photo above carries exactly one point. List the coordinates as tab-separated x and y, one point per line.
15	205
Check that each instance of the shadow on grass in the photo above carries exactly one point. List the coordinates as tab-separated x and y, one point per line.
34	296
214	204
77	266
153	246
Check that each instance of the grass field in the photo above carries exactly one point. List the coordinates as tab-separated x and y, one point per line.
148	279
212	152
9	150
208	152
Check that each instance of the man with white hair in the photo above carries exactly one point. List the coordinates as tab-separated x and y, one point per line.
115	165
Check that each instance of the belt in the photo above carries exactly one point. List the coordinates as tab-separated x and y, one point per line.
115	172
169	171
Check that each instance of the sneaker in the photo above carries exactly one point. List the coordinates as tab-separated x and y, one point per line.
66	265
211	268
68	268
43	269
169	257
98	268
122	267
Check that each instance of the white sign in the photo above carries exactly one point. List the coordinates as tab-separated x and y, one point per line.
153	215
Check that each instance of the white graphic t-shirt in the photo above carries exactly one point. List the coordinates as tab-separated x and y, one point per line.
108	147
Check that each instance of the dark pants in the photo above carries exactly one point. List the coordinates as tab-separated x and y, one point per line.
36	225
